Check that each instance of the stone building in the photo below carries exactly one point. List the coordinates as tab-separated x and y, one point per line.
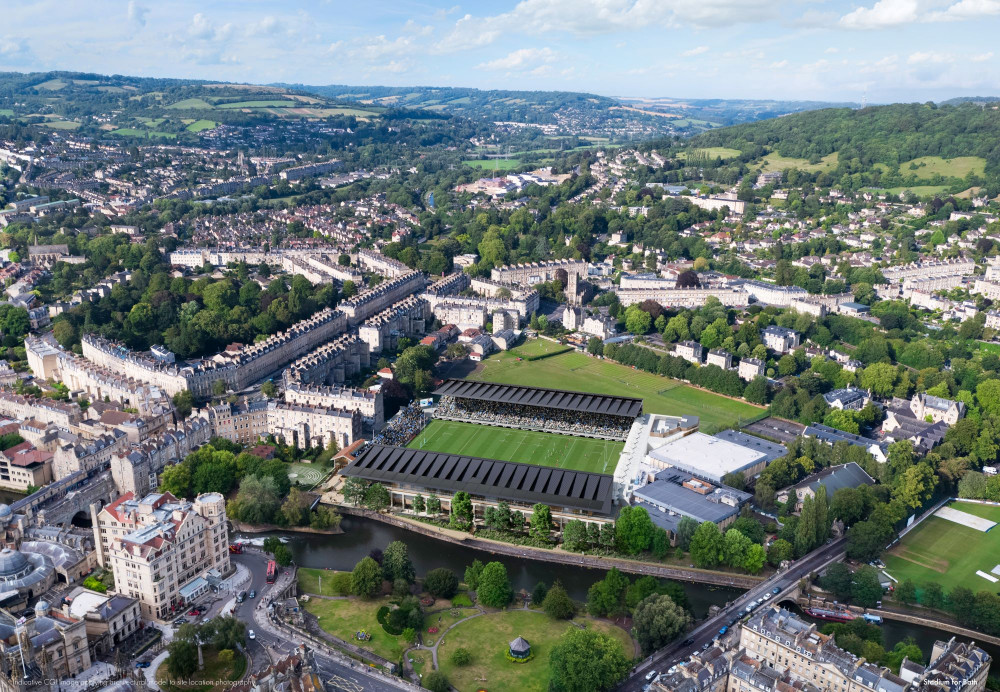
369	403
532	273
407	318
374	300
683	297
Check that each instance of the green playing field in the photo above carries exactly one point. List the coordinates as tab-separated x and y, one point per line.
525	446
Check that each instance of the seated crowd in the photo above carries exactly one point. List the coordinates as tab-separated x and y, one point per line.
402	427
534	418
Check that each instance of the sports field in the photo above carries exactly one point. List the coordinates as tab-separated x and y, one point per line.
579	372
948	553
525	446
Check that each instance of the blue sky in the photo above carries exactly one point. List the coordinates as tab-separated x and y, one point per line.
891	50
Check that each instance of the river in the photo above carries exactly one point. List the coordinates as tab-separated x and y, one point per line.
362	535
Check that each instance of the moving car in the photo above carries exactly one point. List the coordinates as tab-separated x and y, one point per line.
241	597
253	593
725	628
251	634
775	590
142	664
650	675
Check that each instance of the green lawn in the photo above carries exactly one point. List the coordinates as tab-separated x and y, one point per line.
525	446
579	372
490	164
929	166
488	638
306	474
214	676
195	104
273	103
919	190
536	347
310	581
146	134
948	553
342	618
62	124
6	112
52	84
989	347
777	162
715	152
199	125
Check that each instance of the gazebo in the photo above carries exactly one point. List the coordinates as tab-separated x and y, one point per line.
520	648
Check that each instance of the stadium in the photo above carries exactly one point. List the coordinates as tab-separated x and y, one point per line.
536	425
519	444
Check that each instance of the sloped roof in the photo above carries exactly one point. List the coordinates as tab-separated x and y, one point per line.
505	480
582	402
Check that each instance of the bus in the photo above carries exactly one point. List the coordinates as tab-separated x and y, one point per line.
272	568
236	548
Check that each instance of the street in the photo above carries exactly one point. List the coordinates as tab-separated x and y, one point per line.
271	644
708	630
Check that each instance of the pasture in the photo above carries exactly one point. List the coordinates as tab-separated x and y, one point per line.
777	162
192	104
200	125
491	164
929	166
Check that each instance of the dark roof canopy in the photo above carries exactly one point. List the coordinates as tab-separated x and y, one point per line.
490	478
540	396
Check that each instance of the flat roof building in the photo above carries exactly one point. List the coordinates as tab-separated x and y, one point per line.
674	495
709	458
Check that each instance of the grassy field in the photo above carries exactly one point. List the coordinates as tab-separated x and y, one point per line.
272	103
958	167
342	618
6	112
948	553
716	152
310	579
62	124
488	638
187	104
148	134
306	474
490	164
919	190
199	125
525	446
989	347
579	372
52	84
215	671
777	162
537	347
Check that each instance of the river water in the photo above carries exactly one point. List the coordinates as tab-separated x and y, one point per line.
362	535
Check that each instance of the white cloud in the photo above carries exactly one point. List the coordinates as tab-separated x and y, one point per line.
137	13
831	50
779	64
695	51
882	14
982	57
967	9
266	26
519	59
200	26
929	57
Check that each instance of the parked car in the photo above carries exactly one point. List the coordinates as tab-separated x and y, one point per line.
194	611
180	621
142	664
241	597
724	629
253	593
650	675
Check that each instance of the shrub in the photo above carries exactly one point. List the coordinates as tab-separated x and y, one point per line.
461	656
383	619
462	600
441	582
436	681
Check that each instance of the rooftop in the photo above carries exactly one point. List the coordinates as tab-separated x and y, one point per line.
706	456
582	402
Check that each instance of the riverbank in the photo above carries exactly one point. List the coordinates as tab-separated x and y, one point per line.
599	562
240	527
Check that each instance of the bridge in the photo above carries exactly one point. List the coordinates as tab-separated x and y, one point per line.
60	502
785	581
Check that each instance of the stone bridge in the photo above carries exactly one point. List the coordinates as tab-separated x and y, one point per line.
59	503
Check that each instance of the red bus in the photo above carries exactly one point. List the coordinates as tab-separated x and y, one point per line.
272	568
236	548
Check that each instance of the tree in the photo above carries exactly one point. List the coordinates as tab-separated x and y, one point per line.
633	530
557	604
838	579
661	543
595	346
183	659
494	587
575	536
779	551
657	621
933	595
433	505
366	578
436	681
906	592
353	490
441	582
418	504
755	559
219	387
461	511
376	497
734	548
176	480
866	590
707	545
541	522
396	563
916	485
461	656
637	320
607	597
295	508
685	532
472	574
756	391
282	555
586	661
539	593
183	402
880	378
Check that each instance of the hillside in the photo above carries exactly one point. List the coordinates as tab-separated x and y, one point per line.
156	109
898	146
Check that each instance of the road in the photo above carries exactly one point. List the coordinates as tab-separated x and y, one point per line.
269	643
708	630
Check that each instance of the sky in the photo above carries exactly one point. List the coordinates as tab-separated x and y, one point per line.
828	50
